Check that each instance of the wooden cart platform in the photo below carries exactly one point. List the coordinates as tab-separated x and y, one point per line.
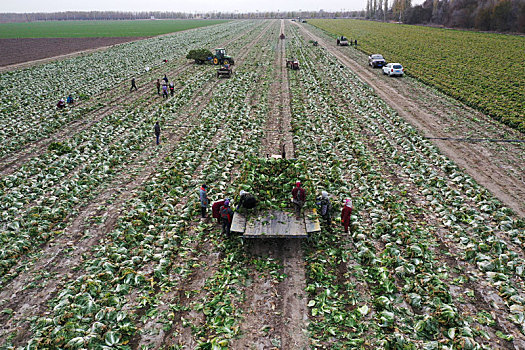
274	224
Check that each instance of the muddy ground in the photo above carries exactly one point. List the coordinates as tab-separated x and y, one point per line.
16	51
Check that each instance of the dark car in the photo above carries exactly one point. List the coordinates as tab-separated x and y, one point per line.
376	61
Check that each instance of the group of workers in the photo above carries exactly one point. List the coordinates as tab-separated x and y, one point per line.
165	85
62	104
221	210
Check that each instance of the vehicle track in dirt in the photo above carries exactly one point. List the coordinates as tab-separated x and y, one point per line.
117	100
179	333
499	168
392	173
81	235
114	210
275	314
121	167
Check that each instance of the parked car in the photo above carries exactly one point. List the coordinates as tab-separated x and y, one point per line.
376	60
342	41
393	69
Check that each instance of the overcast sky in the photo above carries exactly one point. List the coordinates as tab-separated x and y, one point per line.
179	5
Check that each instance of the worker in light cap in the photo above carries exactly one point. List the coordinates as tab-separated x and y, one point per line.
325	209
298	198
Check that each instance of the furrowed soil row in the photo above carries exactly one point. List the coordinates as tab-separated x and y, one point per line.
179	333
413	219
133	100
483	162
276	310
113	213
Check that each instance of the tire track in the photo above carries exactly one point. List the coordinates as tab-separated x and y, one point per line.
9	163
276	315
78	236
478	160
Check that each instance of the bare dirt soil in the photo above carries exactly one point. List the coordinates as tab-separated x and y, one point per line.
16	51
276	314
61	256
499	167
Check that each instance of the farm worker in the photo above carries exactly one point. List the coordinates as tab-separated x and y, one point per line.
203	196
172	88
325	207
346	213
246	200
70	99
164	91
157	132
133	85
158	87
61	104
165	79
216	209
355	42
226	218
298	196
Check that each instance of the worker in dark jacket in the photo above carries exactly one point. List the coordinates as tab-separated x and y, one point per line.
165	79
133	85
346	214
157	132
203	197
226	218
61	104
246	200
325	209
299	197
172	88
158	87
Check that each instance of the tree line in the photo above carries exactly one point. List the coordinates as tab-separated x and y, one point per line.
117	15
495	15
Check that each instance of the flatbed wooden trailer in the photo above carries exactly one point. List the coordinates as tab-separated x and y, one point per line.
224	72
275	224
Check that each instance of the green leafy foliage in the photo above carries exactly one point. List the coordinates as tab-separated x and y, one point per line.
199	55
483	70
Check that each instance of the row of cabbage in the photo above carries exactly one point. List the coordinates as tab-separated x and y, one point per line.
39	196
394	249
123	282
28	99
479	69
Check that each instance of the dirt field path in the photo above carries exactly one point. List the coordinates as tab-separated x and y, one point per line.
114	100
500	167
276	315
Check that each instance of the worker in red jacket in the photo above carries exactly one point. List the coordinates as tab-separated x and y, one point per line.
298	198
216	209
346	213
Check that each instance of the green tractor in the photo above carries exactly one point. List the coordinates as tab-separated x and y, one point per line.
220	57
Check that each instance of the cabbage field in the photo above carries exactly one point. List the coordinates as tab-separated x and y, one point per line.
102	245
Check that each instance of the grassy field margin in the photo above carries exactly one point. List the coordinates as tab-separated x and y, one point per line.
88	29
483	70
